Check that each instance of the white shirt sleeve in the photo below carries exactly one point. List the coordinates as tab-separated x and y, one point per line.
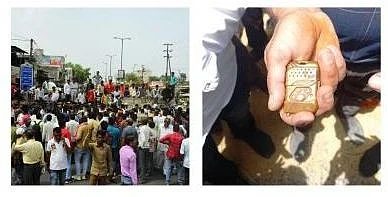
219	62
182	150
219	27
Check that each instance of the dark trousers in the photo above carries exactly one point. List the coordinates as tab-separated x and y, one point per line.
68	97
187	176
116	160
145	162
31	174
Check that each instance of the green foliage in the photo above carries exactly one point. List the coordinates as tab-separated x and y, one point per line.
182	78
154	78
163	78
132	78
80	74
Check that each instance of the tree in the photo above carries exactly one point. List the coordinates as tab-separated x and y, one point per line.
182	78
163	78
154	78
132	78
80	74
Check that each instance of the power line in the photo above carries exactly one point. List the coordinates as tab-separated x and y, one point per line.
17	35
16	39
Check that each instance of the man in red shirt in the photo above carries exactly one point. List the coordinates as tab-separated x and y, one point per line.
109	87
173	157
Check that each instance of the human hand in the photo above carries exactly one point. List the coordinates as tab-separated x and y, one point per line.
303	34
374	82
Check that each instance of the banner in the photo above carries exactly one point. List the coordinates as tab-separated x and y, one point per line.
53	61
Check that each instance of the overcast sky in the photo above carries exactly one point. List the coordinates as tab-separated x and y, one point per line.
85	36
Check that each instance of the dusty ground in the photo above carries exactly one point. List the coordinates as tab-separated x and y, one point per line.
332	160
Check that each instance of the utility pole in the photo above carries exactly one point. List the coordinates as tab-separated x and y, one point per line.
122	46
31	42
167	56
110	66
142	73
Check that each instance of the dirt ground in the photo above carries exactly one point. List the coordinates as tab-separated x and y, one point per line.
333	160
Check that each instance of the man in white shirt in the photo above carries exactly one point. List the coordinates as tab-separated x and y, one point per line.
81	98
145	162
37	94
54	96
67	90
166	128
185	150
72	126
74	90
48	127
57	149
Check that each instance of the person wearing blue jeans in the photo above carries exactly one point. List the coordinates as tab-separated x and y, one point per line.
85	155
57	177
68	169
178	165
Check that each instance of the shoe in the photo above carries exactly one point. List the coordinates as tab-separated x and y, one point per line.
298	144
354	130
68	181
370	162
244	129
83	177
351	125
77	178
261	143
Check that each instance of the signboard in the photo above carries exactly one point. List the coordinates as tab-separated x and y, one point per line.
120	74
53	61
26	76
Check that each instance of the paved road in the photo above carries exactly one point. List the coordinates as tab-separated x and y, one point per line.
157	178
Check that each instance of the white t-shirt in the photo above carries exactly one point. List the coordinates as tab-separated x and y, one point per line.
72	126
145	133
47	131
185	151
58	158
55	97
66	88
81	98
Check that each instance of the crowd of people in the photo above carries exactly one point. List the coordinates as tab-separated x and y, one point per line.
108	141
96	92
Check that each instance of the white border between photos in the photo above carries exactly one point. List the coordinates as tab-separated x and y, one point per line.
195	187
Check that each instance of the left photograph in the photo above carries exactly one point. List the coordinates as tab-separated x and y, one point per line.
100	96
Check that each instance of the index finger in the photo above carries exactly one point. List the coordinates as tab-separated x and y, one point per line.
276	58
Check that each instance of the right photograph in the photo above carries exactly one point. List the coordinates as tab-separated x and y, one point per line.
291	96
